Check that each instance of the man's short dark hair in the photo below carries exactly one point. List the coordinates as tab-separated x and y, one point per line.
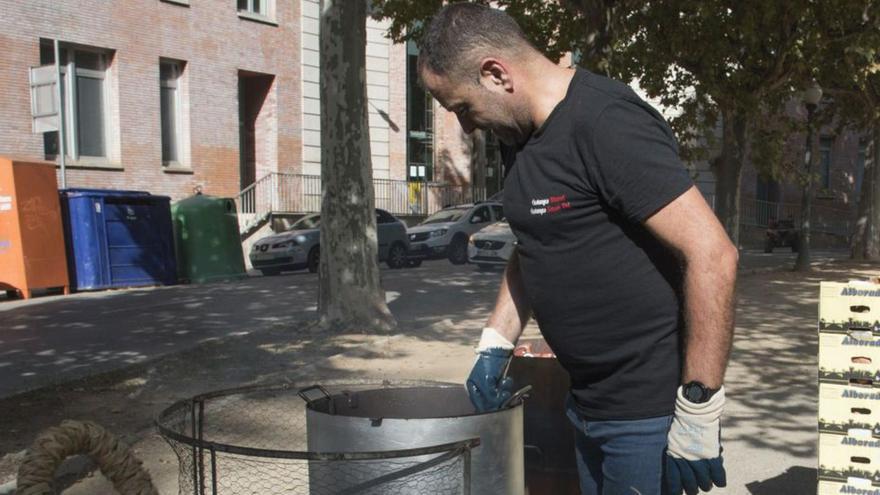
461	32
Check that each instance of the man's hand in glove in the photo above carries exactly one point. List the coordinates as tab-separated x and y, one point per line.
487	386
694	461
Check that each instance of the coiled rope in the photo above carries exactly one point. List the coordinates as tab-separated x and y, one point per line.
57	443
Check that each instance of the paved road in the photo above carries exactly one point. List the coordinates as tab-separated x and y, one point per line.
61	338
52	339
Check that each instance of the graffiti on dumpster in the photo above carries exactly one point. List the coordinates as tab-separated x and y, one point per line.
35	214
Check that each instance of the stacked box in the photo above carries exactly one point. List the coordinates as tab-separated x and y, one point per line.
849	388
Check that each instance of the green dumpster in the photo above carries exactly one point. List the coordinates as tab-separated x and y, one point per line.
207	240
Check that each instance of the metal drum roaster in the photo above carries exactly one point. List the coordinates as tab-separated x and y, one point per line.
420	416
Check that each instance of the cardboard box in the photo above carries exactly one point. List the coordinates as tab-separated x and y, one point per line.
847	306
843	408
849	358
852	459
856	486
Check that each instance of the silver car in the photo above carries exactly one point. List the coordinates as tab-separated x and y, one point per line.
491	246
299	248
445	233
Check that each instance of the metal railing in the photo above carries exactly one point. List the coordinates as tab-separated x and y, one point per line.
279	192
824	219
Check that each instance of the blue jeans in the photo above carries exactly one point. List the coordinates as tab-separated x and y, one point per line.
620	457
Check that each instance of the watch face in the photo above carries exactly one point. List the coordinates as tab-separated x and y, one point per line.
695	392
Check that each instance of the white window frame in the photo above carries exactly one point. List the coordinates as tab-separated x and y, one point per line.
70	72
266	13
173	83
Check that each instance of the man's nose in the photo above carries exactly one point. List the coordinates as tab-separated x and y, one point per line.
466	125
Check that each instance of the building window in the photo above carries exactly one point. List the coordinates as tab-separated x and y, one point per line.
84	99
419	122
169	91
256	7
825	145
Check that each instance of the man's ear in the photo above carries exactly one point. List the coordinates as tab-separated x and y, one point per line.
495	75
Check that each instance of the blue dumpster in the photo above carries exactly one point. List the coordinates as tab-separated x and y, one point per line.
118	238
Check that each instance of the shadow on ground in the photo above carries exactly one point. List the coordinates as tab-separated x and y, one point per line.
798	479
254	331
769	425
771	417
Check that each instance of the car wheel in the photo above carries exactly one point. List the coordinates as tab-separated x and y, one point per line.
314	260
414	263
396	256
458	251
269	272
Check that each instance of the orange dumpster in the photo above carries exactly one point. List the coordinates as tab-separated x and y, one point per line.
31	236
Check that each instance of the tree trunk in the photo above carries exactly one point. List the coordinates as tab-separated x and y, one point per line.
802	263
350	295
866	235
728	173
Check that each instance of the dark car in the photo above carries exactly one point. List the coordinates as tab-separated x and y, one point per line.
781	233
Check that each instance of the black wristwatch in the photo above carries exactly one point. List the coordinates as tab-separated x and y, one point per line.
697	393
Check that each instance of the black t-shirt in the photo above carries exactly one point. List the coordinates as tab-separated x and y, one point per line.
604	291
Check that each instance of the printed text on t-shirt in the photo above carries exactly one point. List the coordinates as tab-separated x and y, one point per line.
550	205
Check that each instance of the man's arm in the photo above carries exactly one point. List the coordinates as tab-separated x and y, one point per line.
487	385
511	311
690	228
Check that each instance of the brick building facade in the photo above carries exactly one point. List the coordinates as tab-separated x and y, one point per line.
170	95
838	170
219	52
239	79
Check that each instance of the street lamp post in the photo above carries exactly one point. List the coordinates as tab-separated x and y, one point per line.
812	96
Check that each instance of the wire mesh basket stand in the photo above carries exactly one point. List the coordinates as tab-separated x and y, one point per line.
253	440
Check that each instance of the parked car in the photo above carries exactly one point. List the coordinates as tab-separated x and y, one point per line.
445	234
491	246
781	234
299	248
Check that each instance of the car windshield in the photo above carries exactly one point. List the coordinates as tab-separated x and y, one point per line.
309	222
447	215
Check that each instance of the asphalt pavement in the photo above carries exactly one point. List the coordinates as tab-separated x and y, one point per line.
203	338
52	339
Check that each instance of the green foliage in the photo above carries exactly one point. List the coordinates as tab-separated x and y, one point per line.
744	59
848	61
589	27
769	153
408	17
714	57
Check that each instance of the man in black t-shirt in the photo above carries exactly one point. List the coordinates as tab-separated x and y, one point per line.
624	266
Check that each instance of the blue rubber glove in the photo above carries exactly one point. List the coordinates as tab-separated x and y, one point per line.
487	386
693	460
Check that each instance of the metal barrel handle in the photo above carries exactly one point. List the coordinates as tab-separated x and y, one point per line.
303	393
518	395
537	452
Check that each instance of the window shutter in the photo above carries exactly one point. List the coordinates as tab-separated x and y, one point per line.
44	106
